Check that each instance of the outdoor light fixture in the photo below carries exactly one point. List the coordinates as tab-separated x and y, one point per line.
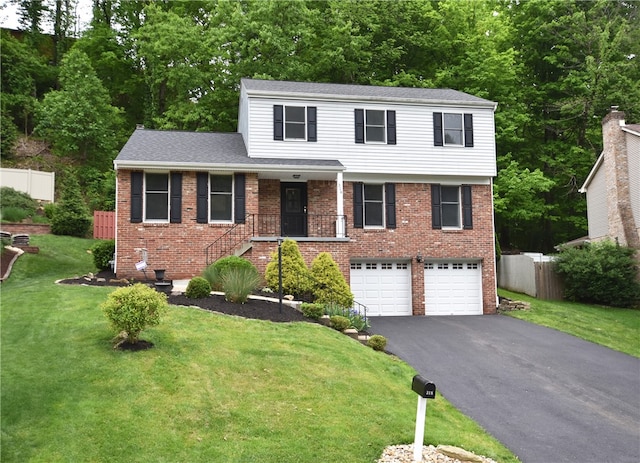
419	258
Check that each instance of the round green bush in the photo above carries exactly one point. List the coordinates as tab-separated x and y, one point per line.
198	288
133	308
340	323
103	253
314	311
377	342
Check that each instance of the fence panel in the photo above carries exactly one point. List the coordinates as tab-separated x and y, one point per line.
548	283
37	184
531	274
104	225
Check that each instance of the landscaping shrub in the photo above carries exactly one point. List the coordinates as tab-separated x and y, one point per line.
215	272
198	288
239	282
16	205
102	253
133	308
356	319
602	273
71	216
377	342
340	323
328	282
295	275
13	214
310	310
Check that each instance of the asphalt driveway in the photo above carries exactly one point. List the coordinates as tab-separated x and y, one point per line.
548	396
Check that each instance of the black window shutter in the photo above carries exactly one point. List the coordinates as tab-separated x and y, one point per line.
278	122
136	197
359	113
358	206
467	210
391	127
436	218
468	130
390	204
239	198
312	126
437	129
202	197
175	206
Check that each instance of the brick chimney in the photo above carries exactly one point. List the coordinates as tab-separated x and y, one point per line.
621	222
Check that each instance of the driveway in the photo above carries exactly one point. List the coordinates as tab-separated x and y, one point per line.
548	396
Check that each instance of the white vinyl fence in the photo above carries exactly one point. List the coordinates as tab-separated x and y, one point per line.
530	273
38	185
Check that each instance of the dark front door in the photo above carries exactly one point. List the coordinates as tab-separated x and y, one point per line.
293	211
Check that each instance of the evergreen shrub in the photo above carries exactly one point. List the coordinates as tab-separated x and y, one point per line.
328	284
71	216
377	342
198	288
339	323
295	275
215	272
601	273
310	310
102	253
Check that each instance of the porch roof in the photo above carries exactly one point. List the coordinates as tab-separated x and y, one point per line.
199	151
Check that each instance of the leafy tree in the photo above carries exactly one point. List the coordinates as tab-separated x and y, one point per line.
78	119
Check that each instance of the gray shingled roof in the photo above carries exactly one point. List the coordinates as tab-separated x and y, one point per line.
207	150
342	91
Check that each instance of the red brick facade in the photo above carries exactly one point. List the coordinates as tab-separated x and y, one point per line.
180	247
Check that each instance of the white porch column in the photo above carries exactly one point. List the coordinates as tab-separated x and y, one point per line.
340	222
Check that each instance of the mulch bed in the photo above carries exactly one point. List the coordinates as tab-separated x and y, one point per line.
254	308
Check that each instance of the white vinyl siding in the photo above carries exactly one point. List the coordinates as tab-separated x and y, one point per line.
414	152
633	159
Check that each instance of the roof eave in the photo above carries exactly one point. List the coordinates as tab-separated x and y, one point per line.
200	167
594	169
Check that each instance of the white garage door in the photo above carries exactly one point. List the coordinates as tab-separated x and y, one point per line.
384	287
453	288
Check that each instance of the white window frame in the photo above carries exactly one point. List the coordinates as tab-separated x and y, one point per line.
458	205
303	123
230	194
446	129
367	124
146	193
382	205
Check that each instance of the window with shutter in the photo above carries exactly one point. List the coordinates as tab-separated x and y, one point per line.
451	207
374	205
295	123
452	129
375	126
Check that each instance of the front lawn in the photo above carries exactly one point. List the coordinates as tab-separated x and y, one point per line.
612	327
214	388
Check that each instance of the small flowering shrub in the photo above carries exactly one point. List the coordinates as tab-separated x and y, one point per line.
197	288
377	342
339	323
356	319
133	308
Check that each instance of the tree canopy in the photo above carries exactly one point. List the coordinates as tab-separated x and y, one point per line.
553	66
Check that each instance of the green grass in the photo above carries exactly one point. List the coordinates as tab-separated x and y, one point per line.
616	328
213	389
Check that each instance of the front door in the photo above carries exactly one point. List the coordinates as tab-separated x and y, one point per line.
293	210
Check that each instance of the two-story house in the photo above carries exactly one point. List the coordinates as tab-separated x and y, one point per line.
613	185
396	183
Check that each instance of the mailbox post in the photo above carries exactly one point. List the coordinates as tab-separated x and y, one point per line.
425	390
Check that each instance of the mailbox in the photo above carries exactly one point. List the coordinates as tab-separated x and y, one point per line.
424	388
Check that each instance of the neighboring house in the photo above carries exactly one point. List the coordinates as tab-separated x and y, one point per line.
396	183
613	185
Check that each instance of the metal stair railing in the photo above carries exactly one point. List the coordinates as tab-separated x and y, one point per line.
230	240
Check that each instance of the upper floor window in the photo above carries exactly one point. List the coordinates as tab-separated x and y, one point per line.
451	207
294	123
375	126
156	197
374	205
221	198
452	129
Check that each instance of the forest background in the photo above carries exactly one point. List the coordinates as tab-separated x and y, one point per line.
555	67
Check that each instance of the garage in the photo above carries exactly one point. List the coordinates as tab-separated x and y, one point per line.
453	288
384	287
